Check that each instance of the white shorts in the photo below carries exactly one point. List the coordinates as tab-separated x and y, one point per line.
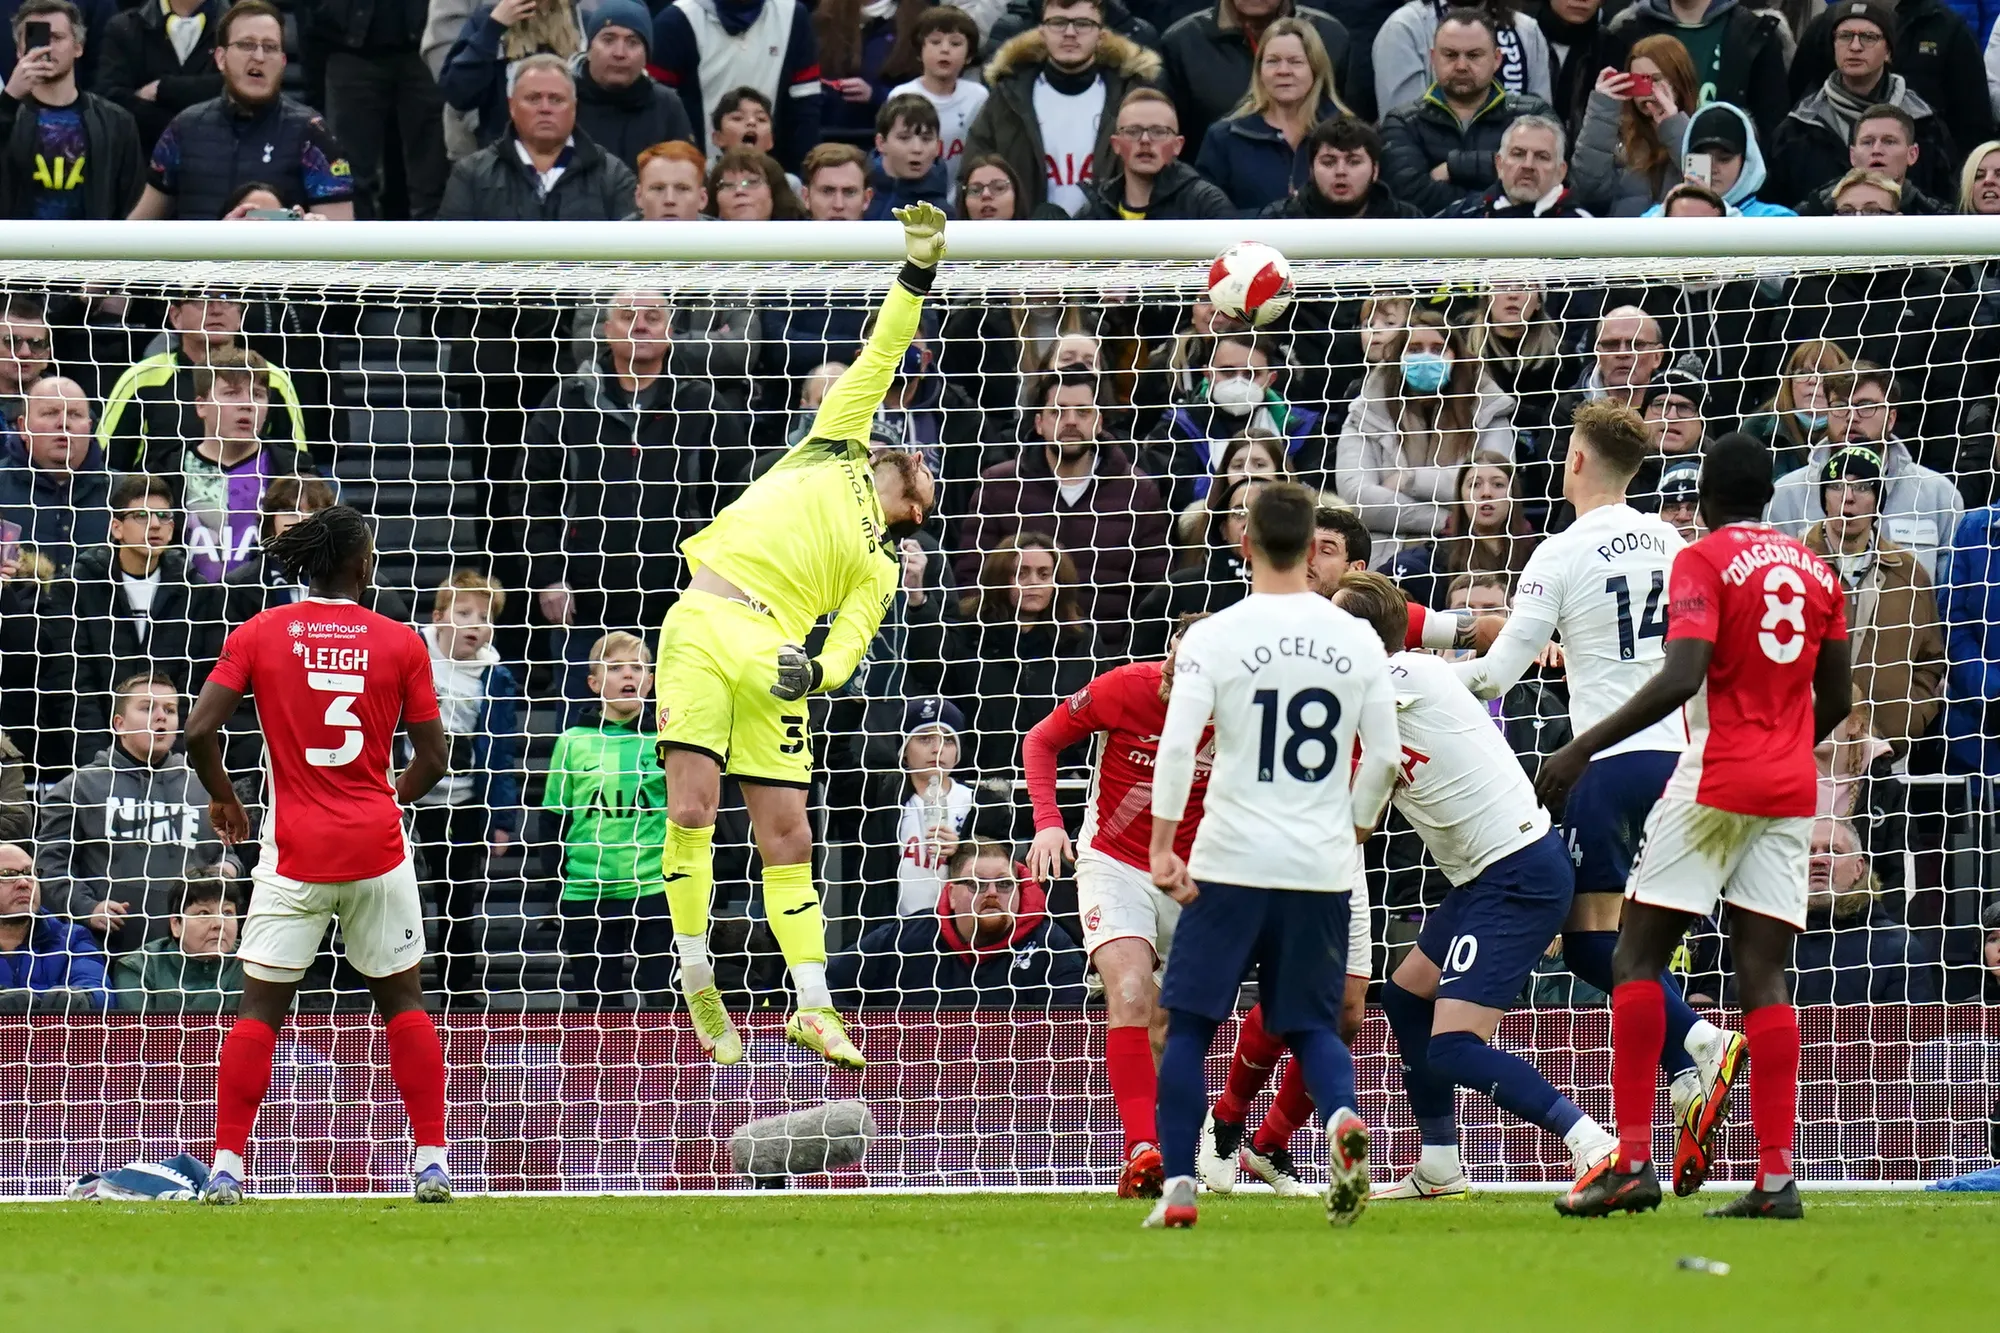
1119	902
381	923
1693	856
1360	939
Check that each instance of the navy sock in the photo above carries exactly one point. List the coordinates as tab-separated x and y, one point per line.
1329	1069
1587	953
1183	1096
1432	1102
1504	1078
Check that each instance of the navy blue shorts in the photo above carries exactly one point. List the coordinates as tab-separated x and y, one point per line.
1296	940
1488	935
1606	815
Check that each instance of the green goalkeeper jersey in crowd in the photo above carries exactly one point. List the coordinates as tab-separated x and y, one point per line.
605	779
806	538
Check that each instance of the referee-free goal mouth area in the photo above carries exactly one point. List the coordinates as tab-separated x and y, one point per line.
991	1261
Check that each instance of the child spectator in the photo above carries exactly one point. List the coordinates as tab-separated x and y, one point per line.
606	789
194	969
480	803
906	168
947	41
919	814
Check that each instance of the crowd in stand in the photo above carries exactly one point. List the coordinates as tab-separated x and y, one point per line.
1095	458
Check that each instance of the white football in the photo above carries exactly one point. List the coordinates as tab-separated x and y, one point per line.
1251	282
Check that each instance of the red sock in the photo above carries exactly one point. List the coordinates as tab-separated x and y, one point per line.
1128	1061
1638	1032
241	1080
1774	1088
1292	1107
1250	1067
416	1062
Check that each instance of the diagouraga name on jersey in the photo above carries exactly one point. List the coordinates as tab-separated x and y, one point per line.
1753	558
1299	647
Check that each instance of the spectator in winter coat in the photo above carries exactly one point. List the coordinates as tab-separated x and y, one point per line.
1051	95
1626	151
1919	509
65	155
1080	490
1421	416
1211	54
1812	146
1237	398
1885	140
117	838
478	76
53	486
507	179
1937	54
1579	38
210	150
988	944
1853	950
1738	52
618	104
1968	582
1440	149
908	166
1727	137
48	965
866	47
705	48
1530	172
1255	156
144	70
194	969
1345	176
374	71
125	608
1402	52
1150	180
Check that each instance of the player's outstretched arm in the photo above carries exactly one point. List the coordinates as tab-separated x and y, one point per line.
216	705
1679	679
849	408
428	764
1521	640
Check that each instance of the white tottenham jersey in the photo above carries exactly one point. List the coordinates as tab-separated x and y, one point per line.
1602	586
1460	787
1289	680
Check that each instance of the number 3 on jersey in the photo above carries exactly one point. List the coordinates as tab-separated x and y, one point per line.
1652	625
339	713
1301	733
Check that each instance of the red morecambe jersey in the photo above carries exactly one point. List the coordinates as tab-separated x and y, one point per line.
1124	709
1766	602
333	681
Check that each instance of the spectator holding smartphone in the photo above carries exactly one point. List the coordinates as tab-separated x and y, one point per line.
43	168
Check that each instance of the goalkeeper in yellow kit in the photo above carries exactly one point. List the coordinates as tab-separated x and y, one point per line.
816	535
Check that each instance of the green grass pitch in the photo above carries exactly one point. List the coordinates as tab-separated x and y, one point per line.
823	1263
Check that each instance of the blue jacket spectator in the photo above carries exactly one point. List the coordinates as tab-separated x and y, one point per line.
1250	159
988	945
475	75
46	963
1735	160
1258	155
52	479
892	194
705	48
1969	604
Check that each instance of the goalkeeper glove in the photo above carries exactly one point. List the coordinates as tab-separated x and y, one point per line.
798	674
923	233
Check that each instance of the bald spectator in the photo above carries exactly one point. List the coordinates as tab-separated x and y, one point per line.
1078	488
1629	351
53	486
1441	148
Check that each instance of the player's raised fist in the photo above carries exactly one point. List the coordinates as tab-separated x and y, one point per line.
923	233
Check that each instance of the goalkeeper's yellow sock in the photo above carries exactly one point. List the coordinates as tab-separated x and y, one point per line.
690	876
792	908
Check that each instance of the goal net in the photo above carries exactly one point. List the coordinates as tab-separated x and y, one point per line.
534	419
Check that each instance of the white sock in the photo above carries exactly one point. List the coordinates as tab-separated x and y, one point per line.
1704	1039
1585	1138
809	980
1687	1087
229	1162
697	973
1439	1161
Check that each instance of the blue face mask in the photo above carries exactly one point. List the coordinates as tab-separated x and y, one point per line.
1812	421
1425	372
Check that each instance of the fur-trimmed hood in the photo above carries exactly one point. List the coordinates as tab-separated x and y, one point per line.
1119	54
